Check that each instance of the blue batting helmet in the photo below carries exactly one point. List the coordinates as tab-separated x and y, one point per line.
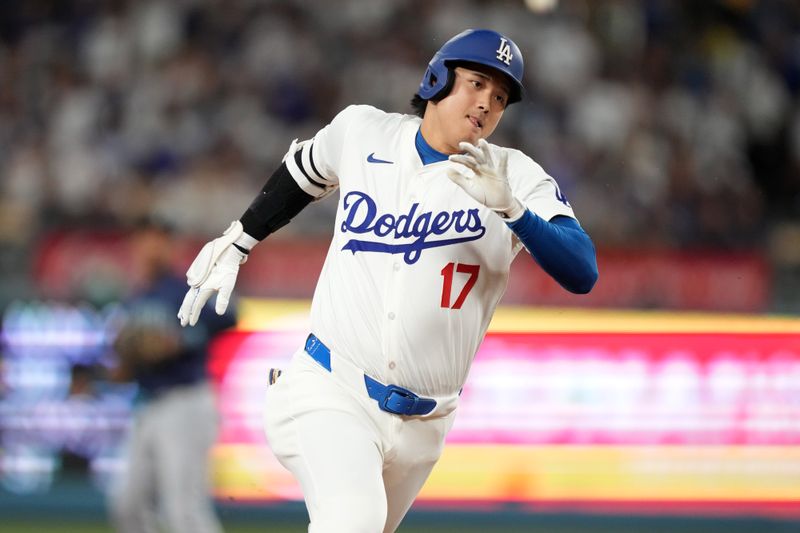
485	47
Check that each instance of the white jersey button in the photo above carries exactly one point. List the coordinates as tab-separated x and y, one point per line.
391	315
391	365
396	267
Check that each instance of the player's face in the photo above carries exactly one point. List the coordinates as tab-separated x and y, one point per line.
470	112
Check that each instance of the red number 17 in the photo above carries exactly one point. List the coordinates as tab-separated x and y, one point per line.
447	283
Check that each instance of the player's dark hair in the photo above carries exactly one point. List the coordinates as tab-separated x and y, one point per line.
418	104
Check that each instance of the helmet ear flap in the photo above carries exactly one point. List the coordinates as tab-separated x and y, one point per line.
431	78
448	86
434	80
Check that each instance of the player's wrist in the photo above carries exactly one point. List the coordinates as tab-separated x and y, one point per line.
233	256
513	212
245	243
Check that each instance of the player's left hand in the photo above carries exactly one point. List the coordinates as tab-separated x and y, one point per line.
485	179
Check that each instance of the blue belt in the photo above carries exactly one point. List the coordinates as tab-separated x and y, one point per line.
390	398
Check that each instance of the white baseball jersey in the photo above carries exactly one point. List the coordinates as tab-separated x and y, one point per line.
416	267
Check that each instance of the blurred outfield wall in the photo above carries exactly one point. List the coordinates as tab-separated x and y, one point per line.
92	264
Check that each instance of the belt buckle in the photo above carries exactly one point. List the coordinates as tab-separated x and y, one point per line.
403	393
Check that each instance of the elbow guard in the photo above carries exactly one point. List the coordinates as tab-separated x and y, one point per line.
280	200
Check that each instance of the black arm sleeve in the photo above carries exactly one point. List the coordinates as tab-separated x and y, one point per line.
279	201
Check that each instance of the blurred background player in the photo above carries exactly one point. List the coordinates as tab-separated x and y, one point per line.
166	478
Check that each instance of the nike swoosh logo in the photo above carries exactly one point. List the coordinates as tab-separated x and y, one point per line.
372	159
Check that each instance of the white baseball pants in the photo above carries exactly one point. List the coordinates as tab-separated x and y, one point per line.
166	477
359	467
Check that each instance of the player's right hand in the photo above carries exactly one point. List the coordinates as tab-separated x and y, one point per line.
214	270
485	178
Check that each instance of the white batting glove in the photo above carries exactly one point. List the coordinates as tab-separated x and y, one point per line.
213	270
485	179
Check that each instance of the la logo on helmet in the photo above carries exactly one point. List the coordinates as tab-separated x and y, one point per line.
504	51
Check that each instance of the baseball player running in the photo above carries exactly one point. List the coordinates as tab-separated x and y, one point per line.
430	217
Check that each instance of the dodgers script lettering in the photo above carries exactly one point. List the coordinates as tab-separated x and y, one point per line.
416	228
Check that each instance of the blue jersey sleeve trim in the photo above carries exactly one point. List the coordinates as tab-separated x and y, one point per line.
561	247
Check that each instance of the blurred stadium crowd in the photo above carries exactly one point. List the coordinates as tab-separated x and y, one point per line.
667	123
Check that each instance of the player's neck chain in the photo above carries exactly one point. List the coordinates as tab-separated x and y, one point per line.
362	217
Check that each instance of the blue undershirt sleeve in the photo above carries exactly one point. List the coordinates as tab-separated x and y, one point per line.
561	247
